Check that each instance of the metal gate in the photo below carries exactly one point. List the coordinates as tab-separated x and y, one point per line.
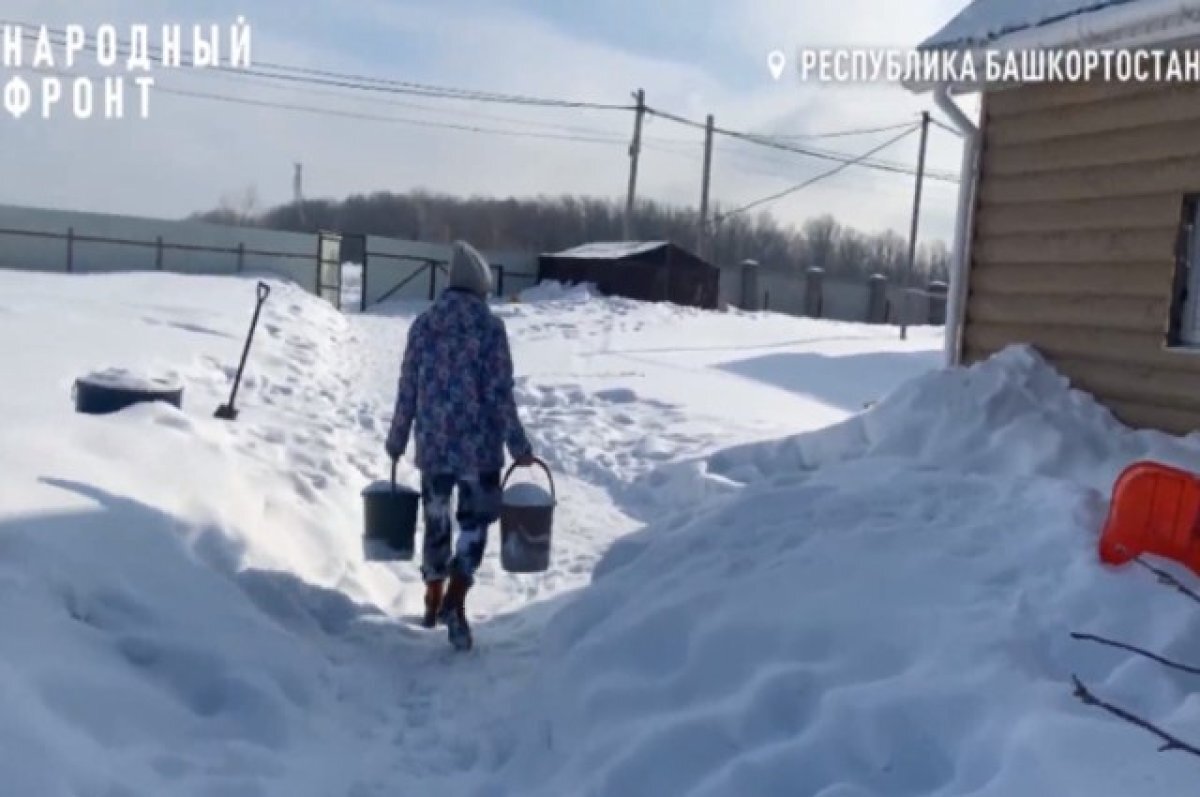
329	267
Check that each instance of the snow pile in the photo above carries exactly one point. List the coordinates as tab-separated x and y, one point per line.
1010	415
554	291
126	379
178	592
185	601
882	608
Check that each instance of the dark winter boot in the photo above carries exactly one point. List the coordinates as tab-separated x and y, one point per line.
433	602
454	613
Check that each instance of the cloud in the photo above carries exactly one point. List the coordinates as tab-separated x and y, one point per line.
194	150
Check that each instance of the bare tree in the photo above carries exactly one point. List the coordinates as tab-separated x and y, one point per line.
551	223
821	235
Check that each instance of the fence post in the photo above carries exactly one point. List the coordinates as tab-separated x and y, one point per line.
241	257
937	302
877	299
432	266
70	249
814	291
362	293
749	285
158	254
500	287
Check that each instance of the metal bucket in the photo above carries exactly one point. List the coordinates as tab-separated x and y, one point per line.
525	531
389	521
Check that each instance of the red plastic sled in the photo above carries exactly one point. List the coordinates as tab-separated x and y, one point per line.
1155	509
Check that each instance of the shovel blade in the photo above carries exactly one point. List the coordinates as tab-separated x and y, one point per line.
226	413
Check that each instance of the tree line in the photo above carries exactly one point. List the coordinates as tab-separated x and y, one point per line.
553	223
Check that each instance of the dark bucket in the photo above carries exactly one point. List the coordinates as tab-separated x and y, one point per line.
525	531
105	392
389	521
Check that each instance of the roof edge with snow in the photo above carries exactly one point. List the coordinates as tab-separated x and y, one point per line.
1098	24
610	250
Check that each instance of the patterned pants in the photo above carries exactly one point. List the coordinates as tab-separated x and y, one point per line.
478	508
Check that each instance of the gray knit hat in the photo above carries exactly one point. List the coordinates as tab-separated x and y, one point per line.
469	271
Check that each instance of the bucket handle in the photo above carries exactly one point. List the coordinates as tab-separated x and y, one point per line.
545	469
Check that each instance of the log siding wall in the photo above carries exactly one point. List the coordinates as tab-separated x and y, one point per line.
1075	236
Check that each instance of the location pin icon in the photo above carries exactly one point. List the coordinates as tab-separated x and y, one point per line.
776	61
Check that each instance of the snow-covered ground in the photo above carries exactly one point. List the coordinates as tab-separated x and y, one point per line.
758	588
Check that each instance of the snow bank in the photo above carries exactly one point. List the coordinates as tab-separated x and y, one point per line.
881	608
177	592
184	601
1010	415
554	291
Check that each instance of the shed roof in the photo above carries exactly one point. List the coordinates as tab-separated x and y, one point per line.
611	250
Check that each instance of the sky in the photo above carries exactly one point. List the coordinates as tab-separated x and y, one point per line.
691	57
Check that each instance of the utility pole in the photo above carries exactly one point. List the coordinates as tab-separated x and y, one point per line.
702	243
635	149
912	235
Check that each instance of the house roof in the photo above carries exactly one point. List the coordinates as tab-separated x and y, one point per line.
611	250
986	22
1067	23
1016	25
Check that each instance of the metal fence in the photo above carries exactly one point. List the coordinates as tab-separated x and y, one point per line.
88	243
414	270
74	242
810	293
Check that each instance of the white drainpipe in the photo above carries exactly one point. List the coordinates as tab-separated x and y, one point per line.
960	264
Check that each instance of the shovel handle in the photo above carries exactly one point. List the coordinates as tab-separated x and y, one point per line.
264	290
545	469
394	463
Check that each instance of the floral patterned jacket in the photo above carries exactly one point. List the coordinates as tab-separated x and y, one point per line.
455	394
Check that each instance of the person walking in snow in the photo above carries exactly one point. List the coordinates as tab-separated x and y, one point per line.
455	396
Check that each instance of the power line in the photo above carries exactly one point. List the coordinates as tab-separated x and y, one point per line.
779	158
442	111
765	164
836	134
816	179
807	151
392	119
373	117
320	77
338	80
350	81
944	126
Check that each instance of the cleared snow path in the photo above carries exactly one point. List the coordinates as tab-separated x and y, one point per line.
120	537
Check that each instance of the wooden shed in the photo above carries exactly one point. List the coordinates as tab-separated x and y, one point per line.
653	271
1078	208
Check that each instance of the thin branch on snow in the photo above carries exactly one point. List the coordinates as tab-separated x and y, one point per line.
1112	643
1169	580
1169	742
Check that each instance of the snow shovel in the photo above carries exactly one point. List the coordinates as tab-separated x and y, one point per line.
228	412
